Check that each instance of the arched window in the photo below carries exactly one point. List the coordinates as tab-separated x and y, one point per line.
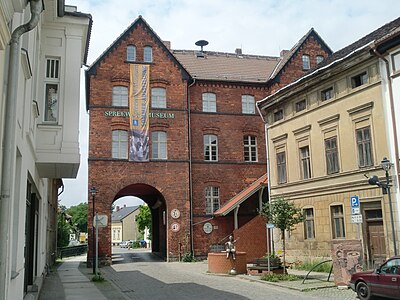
120	96
148	54
158	98
131	53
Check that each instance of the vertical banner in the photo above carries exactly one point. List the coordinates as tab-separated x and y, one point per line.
139	112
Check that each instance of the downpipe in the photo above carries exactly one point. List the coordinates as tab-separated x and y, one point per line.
9	143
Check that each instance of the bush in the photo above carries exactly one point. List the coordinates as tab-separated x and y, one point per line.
98	278
309	264
280	277
188	257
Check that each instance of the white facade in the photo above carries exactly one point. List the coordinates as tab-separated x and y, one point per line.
39	114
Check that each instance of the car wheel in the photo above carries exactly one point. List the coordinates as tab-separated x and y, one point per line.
363	291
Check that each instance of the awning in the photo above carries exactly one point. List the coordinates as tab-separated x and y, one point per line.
242	196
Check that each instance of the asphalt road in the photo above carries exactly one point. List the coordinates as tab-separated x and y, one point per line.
140	275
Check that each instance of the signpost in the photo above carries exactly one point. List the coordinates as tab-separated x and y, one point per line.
356	217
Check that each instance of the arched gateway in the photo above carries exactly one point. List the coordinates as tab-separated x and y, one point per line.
167	242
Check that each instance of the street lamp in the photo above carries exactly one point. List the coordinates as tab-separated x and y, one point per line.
93	191
374	180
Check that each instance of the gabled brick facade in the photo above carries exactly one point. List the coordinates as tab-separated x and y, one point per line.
178	182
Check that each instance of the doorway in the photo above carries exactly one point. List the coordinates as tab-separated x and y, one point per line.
376	245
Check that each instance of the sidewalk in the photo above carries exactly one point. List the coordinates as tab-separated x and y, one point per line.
68	283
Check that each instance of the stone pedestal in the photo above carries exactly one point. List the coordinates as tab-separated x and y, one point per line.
218	263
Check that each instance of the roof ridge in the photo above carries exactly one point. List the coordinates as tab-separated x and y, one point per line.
229	54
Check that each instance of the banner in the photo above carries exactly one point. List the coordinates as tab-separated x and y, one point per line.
139	112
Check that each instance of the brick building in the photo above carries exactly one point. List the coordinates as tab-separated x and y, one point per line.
199	163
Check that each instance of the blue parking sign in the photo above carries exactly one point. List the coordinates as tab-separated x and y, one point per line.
354	202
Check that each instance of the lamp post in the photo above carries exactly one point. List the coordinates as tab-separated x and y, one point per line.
93	191
386	165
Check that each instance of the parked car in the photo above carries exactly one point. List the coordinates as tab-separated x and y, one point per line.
383	281
124	244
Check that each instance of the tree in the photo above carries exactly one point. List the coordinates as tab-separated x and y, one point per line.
63	228
79	214
284	215
143	218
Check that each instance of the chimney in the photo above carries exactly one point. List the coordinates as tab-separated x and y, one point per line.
167	44
117	208
238	51
283	53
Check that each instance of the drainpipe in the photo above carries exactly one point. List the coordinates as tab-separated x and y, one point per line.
9	143
190	169
392	111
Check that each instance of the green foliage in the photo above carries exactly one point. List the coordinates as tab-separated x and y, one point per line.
188	257
143	219
135	244
98	278
63	228
309	264
79	214
280	277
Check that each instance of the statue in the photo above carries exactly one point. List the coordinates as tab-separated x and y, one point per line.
230	247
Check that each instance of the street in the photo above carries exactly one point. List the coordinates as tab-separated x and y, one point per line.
140	275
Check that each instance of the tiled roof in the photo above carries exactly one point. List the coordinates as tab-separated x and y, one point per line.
122	213
358	46
227	66
242	196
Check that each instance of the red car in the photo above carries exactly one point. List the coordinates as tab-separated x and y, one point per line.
384	281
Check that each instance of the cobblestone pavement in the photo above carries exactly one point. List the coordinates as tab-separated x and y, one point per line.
137	278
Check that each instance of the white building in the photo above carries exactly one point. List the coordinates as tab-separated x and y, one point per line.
40	66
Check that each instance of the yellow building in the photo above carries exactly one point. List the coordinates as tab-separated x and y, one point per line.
326	136
123	225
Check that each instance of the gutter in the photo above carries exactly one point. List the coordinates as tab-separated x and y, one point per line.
392	109
190	169
9	144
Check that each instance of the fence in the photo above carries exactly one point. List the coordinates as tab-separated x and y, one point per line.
71	251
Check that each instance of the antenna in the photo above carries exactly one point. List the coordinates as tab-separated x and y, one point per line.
201	43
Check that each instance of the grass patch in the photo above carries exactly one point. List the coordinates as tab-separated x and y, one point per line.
98	278
308	265
280	277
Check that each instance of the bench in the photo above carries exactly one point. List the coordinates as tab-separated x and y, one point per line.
260	266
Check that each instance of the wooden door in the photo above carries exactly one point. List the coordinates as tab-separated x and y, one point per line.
376	242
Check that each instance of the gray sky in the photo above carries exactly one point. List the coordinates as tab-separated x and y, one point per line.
263	27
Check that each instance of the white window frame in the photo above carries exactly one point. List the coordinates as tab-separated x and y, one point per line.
210	147
209	101
148	54
119	149
131	53
305	162
248	104
51	90
120	95
306	62
250	148
159	145
158	97
212	199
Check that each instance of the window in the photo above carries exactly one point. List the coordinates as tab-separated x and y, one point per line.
359	80
148	54
396	61
159	145
309	228
391	267
364	147
281	165
210	147
114	234
212	199
52	80
301	105
158	98
306	62
327	94
120	96
131	53
248	104
250	148
278	115
331	153
337	222
120	144
209	102
319	58
305	162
